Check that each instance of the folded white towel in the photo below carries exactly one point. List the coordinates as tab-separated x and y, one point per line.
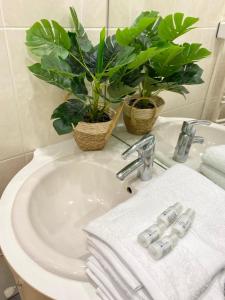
216	289
190	267
215	157
213	174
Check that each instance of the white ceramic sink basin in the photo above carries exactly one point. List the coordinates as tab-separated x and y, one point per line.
53	206
167	131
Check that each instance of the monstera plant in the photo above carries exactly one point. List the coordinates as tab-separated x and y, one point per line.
171	69
70	61
141	59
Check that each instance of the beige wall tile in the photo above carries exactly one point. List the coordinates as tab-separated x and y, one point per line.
94	13
10	133
1	13
193	110
8	168
123	12
35	98
24	13
93	34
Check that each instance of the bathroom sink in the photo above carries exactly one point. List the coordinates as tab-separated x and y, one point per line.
167	131
56	202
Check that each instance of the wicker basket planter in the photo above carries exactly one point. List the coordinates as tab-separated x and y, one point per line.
138	120
94	136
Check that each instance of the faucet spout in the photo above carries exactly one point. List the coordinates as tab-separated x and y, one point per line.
144	163
130	168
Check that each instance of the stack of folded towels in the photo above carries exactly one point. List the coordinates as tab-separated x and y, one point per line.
213	164
121	268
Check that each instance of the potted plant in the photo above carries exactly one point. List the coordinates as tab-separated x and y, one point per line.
171	69
68	60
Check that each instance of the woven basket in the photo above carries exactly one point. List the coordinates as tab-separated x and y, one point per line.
138	120
94	136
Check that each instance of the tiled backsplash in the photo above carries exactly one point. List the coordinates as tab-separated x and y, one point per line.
26	102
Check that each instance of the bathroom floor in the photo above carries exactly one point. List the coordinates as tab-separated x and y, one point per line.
6	279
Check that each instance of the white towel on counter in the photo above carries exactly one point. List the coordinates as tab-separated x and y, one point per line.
188	270
213	174
216	288
215	157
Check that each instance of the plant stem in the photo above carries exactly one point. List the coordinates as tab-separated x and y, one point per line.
84	66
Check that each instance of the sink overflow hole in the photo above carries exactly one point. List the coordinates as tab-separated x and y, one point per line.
129	190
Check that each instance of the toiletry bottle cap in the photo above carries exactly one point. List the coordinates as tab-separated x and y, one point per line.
162	226
178	207
174	237
190	213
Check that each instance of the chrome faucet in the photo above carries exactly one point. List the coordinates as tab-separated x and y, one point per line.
144	163
186	138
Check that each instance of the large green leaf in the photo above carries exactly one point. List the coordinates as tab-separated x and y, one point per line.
51	77
68	113
175	25
125	36
164	63
81	36
119	90
57	65
123	58
170	86
44	38
78	85
191	53
188	74
143	56
100	53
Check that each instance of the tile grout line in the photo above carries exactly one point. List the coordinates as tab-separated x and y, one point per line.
107	17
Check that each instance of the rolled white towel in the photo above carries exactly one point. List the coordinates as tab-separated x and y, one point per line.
215	157
187	271
213	174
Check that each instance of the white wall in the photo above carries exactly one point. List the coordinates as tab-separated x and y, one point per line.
26	102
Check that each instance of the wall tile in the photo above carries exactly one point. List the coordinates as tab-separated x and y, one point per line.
24	13
94	13
10	134
93	34
35	99
1	13
193	110
8	168
123	12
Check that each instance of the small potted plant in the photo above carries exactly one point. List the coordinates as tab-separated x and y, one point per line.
173	67
70	61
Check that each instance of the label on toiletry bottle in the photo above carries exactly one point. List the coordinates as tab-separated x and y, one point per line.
172	215
149	236
165	246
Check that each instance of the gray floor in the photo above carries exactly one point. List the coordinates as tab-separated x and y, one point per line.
6	279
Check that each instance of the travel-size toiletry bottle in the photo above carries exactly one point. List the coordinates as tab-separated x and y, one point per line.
151	234
163	246
170	214
183	223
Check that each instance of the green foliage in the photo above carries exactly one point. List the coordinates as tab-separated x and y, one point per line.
68	113
141	58
44	38
173	26
126	36
51	77
81	36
